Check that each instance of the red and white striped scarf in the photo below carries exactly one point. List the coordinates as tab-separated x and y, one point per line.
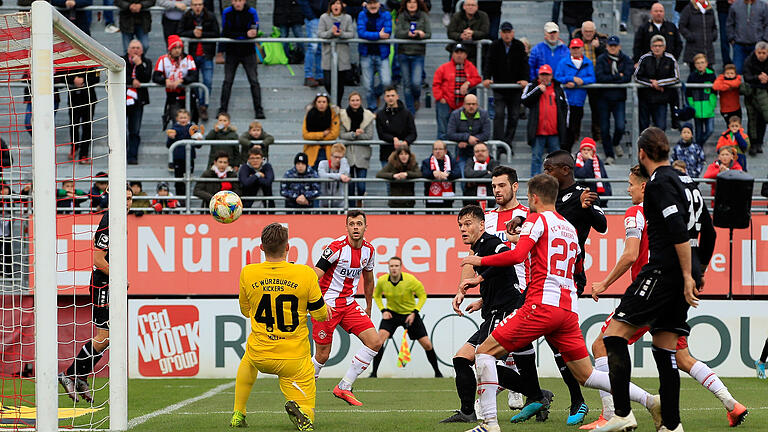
595	169
482	189
437	189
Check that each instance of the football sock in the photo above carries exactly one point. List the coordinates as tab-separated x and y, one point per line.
601	364
601	381
707	377
377	360
487	383
516	382
83	364
465	384
619	372
525	362
318	366
360	362
246	376
573	386
669	386
764	354
431	356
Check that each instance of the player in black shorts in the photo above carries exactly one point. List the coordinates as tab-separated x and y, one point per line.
75	378
665	287
499	296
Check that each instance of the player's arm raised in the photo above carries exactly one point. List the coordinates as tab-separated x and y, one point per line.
368	285
627	258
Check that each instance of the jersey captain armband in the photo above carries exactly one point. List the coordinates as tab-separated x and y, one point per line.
316	305
323	264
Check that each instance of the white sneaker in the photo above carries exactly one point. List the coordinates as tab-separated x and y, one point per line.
111	28
515	400
484	427
478	411
619	424
655	410
679	428
609	160
618	150
446	19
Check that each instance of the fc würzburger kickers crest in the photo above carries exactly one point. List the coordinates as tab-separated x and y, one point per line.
168	340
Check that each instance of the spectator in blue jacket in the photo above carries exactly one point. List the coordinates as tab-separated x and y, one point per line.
300	195
374	24
256	177
613	67
468	126
573	72
550	52
313	71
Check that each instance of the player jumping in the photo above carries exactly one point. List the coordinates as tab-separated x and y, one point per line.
75	379
635	256
339	270
550	304
276	296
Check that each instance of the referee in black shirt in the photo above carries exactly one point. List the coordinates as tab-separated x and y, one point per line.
666	286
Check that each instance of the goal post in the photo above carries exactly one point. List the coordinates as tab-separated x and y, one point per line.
46	23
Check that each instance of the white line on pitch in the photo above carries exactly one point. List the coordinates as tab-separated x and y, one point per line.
170	408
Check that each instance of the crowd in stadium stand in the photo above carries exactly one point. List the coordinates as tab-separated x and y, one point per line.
550	74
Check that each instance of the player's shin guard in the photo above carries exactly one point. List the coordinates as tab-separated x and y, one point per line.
669	386
83	364
619	372
246	376
573	386
360	362
487	384
466	384
707	377
601	364
318	366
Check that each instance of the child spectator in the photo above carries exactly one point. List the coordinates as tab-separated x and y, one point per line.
680	166
160	204
337	168
689	152
139	205
183	129
221	170
256	133
98	193
727	84
300	194
256	177
703	101
320	124
68	197
400	167
223	130
726	160
735	137
589	166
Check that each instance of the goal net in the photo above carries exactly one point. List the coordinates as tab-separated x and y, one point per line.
63	259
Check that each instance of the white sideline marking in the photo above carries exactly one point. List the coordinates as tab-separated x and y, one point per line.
385	411
170	408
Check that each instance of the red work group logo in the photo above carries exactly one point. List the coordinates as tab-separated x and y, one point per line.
168	340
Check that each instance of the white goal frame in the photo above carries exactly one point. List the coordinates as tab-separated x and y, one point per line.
46	22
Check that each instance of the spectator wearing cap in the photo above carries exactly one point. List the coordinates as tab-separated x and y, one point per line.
588	166
550	52
506	62
256	176
468	126
374	24
300	194
240	22
594	46
196	23
138	71
451	82
468	25
135	21
573	72
547	121
173	71
656	71
164	203
613	67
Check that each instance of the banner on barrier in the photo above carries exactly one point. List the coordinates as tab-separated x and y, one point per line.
188	255
206	338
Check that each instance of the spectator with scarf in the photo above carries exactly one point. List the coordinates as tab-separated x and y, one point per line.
589	166
320	124
221	170
138	71
480	167
440	167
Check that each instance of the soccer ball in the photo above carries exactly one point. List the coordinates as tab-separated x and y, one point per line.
226	207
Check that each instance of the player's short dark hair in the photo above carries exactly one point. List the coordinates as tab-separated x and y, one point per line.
390	88
220	155
472	210
638	172
274	237
561	157
653	141
545	187
356	213
396	258
510	172
254	151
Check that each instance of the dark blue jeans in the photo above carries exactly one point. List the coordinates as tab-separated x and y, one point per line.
618	111
134	113
357	188
411	68
657	112
740	53
725	47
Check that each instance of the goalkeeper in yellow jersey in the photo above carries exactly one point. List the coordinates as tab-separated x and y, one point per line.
401	290
276	296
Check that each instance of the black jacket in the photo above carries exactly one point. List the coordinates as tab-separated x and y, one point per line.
394	123
530	98
700	33
252	184
664	70
85	94
506	67
210	26
644	34
129	20
576	12
142	72
604	74
752	69
287	13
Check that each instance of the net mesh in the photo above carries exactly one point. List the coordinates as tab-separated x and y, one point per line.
81	155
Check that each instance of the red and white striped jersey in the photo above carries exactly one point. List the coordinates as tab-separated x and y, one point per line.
496	224
635	227
342	276
175	69
553	260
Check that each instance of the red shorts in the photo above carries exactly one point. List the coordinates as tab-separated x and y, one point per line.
559	326
351	317
682	341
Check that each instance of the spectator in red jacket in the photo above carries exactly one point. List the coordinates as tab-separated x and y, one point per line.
727	84
451	83
726	160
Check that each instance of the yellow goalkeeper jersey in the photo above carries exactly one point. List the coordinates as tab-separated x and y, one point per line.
277	296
